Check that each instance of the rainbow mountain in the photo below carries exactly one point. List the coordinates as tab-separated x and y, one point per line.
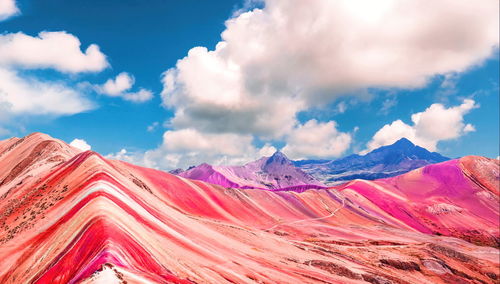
76	217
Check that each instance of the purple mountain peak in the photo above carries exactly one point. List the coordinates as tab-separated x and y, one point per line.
274	172
278	158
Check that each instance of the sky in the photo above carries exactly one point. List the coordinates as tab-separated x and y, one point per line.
169	84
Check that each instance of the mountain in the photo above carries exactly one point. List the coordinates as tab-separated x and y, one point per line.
278	172
76	217
442	199
273	172
392	160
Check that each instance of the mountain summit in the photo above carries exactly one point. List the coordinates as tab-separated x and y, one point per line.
274	172
278	158
403	143
278	172
386	161
404	149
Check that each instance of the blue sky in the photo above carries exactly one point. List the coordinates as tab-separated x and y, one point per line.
277	98
143	40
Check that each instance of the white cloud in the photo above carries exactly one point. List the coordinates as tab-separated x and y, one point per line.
120	87
115	87
129	157
267	150
56	50
469	128
80	144
316	139
207	93
26	95
188	147
436	123
186	140
8	9
291	55
21	95
140	96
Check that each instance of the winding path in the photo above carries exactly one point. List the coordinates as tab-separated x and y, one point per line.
310	219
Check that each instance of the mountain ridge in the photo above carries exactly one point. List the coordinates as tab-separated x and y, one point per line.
78	217
273	172
386	161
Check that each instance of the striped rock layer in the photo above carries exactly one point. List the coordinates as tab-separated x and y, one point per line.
70	217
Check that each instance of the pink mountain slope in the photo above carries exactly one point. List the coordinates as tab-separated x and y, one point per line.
69	217
455	198
272	172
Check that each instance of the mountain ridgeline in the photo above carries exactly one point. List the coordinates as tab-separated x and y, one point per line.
275	172
387	161
279	172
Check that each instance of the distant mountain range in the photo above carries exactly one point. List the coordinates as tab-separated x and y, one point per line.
387	161
273	172
278	172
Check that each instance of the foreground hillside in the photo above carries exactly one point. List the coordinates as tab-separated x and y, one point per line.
69	217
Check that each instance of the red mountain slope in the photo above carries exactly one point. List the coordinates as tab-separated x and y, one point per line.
79	218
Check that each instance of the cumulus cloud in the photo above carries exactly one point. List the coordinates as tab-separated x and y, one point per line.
267	150
291	55
21	95
137	158
8	9
316	140
188	147
207	93
56	50
287	57
140	96
115	87
80	144
26	95
120	87
436	123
